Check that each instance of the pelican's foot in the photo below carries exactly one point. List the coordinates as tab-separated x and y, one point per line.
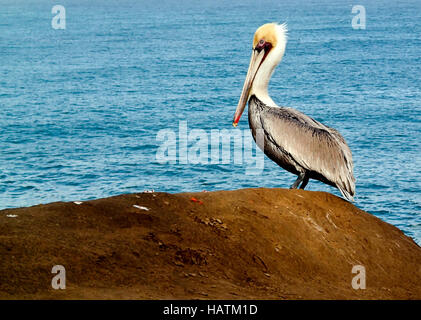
298	181
305	181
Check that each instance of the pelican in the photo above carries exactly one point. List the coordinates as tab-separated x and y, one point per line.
295	141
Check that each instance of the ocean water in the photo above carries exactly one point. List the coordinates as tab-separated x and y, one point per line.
80	108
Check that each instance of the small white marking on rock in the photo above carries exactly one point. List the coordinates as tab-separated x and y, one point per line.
140	207
11	215
314	224
77	202
328	218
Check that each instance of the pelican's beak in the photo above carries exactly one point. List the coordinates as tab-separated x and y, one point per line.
255	62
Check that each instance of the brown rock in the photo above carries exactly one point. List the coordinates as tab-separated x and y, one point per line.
109	249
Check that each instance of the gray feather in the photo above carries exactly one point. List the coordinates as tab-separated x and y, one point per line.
299	143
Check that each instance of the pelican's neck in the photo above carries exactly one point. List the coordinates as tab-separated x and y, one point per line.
263	75
260	86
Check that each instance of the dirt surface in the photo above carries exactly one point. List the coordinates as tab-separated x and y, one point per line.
244	244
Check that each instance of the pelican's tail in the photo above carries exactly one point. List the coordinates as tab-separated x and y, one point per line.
346	194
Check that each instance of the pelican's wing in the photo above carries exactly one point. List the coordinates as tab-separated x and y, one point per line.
312	145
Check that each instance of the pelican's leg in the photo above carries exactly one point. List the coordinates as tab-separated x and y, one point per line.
305	181
298	181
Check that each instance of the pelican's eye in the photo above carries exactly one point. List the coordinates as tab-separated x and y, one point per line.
262	44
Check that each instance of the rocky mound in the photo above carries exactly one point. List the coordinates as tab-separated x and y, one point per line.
243	244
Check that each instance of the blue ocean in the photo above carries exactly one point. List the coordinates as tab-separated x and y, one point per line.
81	107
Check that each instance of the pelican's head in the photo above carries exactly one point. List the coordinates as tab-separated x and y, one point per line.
268	48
